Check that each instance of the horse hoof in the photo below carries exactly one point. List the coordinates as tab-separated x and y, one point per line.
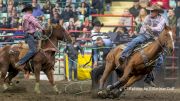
58	92
109	87
38	92
102	94
5	87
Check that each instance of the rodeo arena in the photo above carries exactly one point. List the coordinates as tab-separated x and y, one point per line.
89	50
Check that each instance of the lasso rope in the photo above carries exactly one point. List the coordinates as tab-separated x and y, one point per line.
80	83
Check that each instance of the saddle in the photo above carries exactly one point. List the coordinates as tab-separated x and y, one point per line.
138	48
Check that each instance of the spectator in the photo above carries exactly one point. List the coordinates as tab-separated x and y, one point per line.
10	6
85	34
108	4
47	7
135	9
99	5
37	12
78	24
177	9
177	14
87	24
15	23
140	19
4	23
67	13
57	9
72	52
126	21
55	19
82	10
96	31
71	26
172	18
121	35
2	7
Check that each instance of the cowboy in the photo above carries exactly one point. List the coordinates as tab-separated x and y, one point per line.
96	32
30	26
72	51
101	47
153	24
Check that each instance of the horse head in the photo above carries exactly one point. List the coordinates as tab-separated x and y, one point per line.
57	31
167	38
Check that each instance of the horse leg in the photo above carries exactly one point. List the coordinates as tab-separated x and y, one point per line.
107	71
130	82
3	76
37	69
50	76
123	80
10	76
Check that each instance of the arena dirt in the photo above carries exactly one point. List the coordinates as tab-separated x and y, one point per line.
24	91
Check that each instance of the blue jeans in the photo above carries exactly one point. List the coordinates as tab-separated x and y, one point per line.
32	43
133	44
72	65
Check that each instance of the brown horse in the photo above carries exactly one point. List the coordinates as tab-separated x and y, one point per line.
134	68
44	59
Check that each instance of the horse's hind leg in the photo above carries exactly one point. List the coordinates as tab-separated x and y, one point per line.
37	69
50	76
107	71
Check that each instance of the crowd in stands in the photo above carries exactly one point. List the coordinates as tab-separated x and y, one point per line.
76	14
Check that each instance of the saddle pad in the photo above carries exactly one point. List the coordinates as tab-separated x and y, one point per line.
23	50
123	46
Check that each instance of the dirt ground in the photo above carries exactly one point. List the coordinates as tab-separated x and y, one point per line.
79	91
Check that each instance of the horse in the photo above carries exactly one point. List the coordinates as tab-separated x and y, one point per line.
134	68
43	60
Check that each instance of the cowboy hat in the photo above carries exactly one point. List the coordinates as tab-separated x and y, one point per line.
98	23
27	7
155	7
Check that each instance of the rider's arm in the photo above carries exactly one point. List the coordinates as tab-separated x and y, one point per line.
95	54
160	26
34	21
81	49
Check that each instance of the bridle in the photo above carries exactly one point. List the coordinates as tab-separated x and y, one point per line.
164	48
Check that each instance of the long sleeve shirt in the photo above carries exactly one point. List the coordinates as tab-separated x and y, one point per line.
30	23
157	25
105	49
72	50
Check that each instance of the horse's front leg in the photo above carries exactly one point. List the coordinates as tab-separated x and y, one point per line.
37	69
49	73
10	76
4	71
117	92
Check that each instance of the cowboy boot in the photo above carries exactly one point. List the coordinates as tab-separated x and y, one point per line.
121	60
20	67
